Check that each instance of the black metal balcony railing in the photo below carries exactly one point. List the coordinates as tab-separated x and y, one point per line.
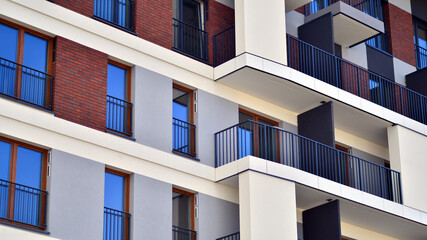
234	236
184	137
116	225
421	56
116	12
371	7
278	145
356	80
179	233
190	40
224	46
22	204
119	115
26	84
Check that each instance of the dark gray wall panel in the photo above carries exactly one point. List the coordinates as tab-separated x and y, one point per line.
319	32
322	222
380	62
318	124
417	81
419	9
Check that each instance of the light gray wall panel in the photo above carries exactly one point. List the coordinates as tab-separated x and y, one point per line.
76	197
213	115
152	97
217	218
151	208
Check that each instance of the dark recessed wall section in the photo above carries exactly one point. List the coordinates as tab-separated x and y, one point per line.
319	32
322	222
338	50
318	124
419	9
417	81
380	63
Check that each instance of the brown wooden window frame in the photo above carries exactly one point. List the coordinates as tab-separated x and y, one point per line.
12	178
192	203
20	57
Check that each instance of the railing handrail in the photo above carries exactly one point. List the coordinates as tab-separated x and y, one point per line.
189	25
21	185
230	235
120	100
32	69
114	210
184	122
309	140
225	30
418	46
183	229
358	67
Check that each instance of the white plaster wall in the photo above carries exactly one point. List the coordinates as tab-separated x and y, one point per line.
359	233
401	69
267	207
408	155
293	21
356	55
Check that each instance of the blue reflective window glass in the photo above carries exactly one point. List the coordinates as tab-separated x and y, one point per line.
116	85
35	52
29	167
114	191
8	42
180	112
5	150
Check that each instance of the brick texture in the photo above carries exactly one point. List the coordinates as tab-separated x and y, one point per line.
80	85
84	7
153	21
400	26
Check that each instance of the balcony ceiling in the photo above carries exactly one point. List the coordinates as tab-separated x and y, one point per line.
350	25
363	216
291	5
298	99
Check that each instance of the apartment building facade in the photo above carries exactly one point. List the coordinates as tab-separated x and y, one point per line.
213	119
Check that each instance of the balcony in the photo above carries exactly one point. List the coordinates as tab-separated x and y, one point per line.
277	145
356	80
25	84
354	21
421	56
234	236
179	233
116	225
119	116
224	46
22	205
118	13
184	136
190	40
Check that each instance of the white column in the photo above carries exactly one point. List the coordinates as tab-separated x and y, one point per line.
261	28
267	207
408	151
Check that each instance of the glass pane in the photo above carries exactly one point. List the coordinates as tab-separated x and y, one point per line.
5	150
244	117
35	52
29	167
191	13
116	85
181	210
422	38
181	105
114	191
8	42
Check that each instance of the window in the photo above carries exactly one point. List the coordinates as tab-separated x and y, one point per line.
184	131
116	12
25	64
119	107
420	40
257	136
116	206
183	215
22	184
189	36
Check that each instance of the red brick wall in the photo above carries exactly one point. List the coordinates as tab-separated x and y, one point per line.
84	7
401	30
80	84
153	21
220	17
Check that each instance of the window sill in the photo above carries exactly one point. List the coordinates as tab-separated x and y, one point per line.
185	155
120	134
115	25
